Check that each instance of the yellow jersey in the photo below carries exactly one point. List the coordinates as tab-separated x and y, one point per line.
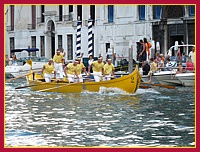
48	68
58	58
97	67
153	66
108	68
71	68
80	67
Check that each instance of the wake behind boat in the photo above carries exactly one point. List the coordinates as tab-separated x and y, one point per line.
129	83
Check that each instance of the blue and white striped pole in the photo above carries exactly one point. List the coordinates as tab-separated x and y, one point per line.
78	39
90	50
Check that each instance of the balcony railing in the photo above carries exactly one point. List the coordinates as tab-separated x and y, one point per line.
40	20
31	26
64	18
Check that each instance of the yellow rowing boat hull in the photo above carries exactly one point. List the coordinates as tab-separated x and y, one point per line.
129	83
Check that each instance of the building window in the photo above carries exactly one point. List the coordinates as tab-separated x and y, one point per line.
70	8
175	11
12	11
79	12
142	12
157	12
60	42
42	45
33	17
42	13
107	47
92	13
33	43
70	47
70	12
191	10
12	44
110	13
60	12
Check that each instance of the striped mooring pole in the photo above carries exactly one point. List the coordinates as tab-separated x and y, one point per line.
78	39
90	49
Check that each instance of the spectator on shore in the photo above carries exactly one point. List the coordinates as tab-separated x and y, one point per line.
189	65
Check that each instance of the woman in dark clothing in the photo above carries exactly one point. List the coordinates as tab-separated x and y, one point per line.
142	54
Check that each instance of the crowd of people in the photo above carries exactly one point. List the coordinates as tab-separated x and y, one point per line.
73	71
12	61
182	64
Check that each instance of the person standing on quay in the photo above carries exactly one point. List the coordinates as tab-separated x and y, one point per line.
6	60
143	53
90	61
192	55
58	63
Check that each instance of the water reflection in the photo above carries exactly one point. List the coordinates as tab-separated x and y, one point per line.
107	118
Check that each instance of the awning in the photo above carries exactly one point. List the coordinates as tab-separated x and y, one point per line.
28	50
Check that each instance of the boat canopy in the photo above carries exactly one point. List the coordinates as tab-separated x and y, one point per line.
28	50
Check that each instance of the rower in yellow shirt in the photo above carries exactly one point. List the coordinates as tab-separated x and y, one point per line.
109	70
47	70
58	60
98	69
80	67
71	71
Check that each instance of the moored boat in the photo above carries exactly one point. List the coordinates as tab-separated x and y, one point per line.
166	78
187	79
22	67
129	83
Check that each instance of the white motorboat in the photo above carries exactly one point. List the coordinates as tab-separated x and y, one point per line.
187	79
166	78
21	68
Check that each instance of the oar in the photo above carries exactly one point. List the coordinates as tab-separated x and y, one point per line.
159	85
18	77
144	87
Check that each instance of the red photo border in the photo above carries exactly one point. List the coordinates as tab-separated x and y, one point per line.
146	149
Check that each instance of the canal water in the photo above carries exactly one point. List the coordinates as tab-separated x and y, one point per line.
155	117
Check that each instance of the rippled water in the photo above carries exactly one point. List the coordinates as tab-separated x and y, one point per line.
150	117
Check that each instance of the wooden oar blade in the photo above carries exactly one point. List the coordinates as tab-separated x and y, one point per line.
164	86
144	87
159	85
18	77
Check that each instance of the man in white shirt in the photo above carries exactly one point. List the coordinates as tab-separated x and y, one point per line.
192	55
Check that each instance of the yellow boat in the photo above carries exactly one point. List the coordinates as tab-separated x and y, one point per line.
129	83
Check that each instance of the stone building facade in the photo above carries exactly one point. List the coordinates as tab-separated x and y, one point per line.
49	27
